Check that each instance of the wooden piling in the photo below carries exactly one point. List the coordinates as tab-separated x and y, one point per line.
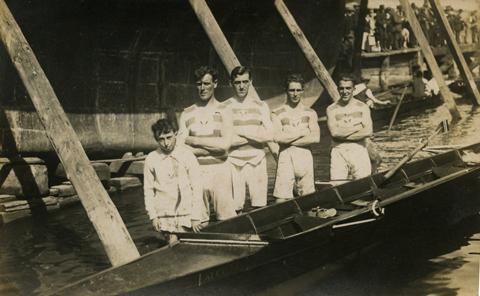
456	51
322	73
101	211
430	58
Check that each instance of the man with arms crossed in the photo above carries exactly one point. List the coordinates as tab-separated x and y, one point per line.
350	124
296	128
252	130
207	129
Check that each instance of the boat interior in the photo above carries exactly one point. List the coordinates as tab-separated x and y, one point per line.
290	218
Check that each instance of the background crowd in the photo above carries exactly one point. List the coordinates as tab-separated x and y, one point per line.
386	28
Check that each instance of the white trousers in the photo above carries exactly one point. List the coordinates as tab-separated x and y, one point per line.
218	189
253	176
349	161
294	173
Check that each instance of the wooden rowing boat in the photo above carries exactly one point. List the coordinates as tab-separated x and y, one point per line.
445	185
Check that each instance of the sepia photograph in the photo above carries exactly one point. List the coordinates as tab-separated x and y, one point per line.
240	147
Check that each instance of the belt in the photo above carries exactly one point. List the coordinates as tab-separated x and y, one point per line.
337	140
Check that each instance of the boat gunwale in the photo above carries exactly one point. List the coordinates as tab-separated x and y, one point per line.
387	201
330	222
365	209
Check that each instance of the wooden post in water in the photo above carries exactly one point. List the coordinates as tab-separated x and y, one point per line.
430	58
101	211
322	73
456	51
357	46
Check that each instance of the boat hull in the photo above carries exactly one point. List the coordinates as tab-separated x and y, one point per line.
430	193
115	64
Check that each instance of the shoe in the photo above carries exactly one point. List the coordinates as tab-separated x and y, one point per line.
326	213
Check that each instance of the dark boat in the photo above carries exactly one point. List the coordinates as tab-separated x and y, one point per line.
443	187
114	64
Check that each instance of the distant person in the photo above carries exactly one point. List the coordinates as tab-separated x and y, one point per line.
364	94
424	85
463	26
454	22
206	128
426	20
419	84
473	22
405	35
252	131
350	124
390	28
172	184
424	23
368	41
396	30
349	24
431	89
381	27
296	128
345	56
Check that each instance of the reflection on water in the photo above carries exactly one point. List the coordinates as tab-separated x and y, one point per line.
45	252
407	133
49	251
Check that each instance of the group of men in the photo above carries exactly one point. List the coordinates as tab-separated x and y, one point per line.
387	28
218	150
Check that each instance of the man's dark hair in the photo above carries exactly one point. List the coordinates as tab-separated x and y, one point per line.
240	70
347	77
204	70
294	78
165	125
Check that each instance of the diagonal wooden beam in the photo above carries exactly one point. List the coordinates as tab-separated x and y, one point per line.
320	71
430	58
456	51
221	45
101	211
217	38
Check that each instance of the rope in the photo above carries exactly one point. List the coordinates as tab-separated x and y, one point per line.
374	206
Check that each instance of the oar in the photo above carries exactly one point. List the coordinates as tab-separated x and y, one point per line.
394	116
442	128
130	159
441	147
395	88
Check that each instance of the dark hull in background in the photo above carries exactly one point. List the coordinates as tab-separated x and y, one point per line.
115	64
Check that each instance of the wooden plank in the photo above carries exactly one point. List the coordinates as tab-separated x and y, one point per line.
437	51
390	53
456	51
322	73
430	58
101	211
